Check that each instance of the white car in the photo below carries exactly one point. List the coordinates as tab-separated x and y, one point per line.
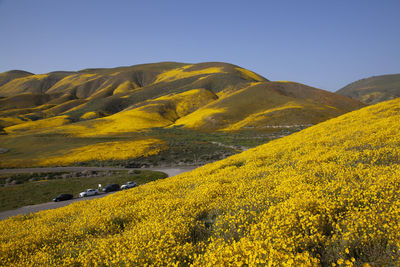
89	192
128	185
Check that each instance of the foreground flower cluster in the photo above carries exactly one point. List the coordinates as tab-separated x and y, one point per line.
328	195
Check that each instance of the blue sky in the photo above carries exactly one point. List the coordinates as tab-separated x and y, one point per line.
325	44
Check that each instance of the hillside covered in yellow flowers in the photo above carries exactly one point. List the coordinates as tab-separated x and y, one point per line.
50	118
159	95
327	195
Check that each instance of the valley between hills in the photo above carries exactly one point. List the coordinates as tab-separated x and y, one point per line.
296	176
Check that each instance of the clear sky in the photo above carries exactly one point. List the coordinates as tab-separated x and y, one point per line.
322	43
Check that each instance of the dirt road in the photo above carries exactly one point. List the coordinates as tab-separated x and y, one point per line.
171	171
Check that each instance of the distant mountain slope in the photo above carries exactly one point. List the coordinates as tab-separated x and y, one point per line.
325	196
223	97
374	89
5	77
266	105
83	108
108	91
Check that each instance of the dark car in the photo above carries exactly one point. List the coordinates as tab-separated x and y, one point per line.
62	197
111	188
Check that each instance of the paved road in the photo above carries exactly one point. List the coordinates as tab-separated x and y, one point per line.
171	171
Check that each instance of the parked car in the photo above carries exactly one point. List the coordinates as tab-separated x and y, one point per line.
111	188
89	192
128	185
62	197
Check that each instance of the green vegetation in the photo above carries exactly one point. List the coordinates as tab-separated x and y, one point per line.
182	146
32	189
185	146
20	178
374	89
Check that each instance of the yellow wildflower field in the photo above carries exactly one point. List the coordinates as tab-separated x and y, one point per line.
328	195
38	125
181	73
107	151
84	152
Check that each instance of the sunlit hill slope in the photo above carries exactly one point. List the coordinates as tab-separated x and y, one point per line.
117	102
374	89
327	195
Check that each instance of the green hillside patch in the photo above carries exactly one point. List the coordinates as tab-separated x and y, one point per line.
374	89
181	147
30	189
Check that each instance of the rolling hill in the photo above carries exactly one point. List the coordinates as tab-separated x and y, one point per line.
324	196
374	89
89	107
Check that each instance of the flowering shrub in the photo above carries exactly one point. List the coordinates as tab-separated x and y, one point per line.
328	195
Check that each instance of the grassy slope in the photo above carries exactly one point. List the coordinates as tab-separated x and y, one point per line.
374	89
35	84
327	194
31	193
5	77
58	150
268	104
